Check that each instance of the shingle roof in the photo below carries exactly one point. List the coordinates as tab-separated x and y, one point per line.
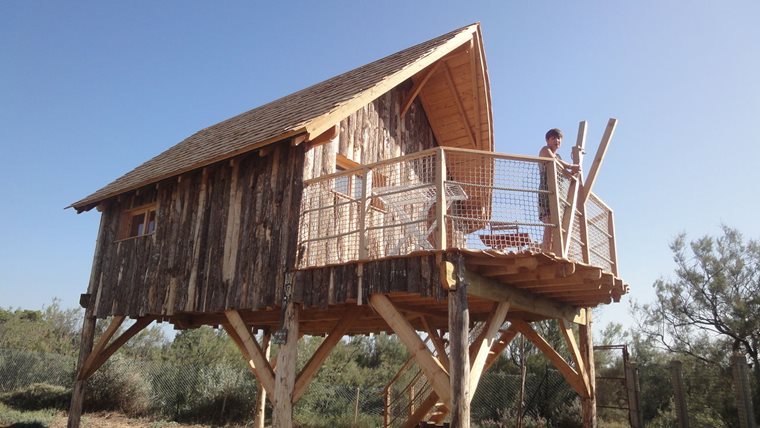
288	116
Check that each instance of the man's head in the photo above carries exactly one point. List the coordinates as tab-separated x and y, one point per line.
553	139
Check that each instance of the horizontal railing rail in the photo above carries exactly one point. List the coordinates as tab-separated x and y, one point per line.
445	198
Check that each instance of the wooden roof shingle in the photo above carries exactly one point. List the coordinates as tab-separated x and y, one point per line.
309	111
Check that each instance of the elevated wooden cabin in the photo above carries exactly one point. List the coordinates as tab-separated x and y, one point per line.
370	202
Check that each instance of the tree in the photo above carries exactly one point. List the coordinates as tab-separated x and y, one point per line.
712	305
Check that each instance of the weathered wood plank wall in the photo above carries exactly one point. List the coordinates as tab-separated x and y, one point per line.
373	133
226	234
224	238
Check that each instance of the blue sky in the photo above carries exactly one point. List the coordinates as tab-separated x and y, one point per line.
89	90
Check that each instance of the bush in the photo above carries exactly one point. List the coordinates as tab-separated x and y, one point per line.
116	386
38	396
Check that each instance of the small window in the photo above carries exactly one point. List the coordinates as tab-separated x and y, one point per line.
349	185
139	221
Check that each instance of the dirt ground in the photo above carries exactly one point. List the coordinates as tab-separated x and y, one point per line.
117	420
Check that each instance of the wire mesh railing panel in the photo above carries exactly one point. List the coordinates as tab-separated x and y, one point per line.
506	198
329	230
599	237
492	201
404	194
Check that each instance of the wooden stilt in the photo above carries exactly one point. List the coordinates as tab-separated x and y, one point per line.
588	404
261	393
88	329
285	373
85	348
459	356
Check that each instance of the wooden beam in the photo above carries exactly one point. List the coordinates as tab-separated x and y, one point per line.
481	347
321	354
460	106
575	352
254	354
600	152
324	137
87	368
571	376
437	340
433	369
568	220
319	124
418	87
475	91
522	300
103	356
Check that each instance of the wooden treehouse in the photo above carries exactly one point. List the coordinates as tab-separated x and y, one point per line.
370	202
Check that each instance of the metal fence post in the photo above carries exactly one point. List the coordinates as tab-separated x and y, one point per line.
678	393
743	393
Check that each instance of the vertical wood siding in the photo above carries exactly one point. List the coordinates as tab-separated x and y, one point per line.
225	236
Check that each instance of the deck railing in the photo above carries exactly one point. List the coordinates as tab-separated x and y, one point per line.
446	198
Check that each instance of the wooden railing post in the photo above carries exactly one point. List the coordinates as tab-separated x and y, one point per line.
364	202
440	203
613	248
558	246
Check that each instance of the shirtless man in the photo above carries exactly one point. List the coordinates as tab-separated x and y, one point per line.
553	141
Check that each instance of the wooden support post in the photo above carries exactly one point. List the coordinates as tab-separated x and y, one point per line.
433	369
261	393
285	373
459	358
102	342
251	350
103	354
600	152
743	391
481	347
588	404
88	330
571	376
85	348
679	395
321	354
575	352
568	220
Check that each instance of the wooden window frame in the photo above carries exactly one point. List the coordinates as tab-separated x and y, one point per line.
127	225
342	163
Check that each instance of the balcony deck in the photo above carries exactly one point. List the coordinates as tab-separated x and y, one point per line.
393	216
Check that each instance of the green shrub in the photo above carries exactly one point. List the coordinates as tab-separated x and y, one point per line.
38	396
117	386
